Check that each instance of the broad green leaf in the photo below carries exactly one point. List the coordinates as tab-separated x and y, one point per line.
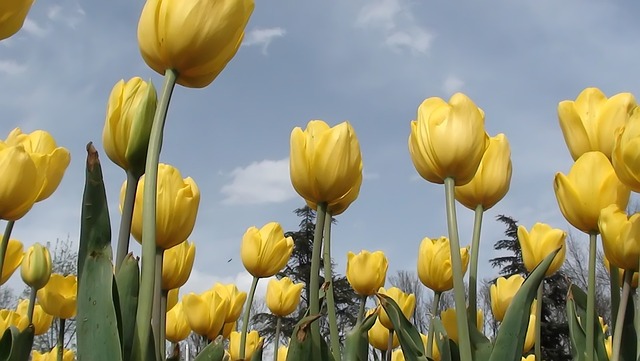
408	336
16	345
356	346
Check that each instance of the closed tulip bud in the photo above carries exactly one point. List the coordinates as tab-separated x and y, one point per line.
339	206
448	139
197	38
502	292
397	355
366	271
283	296
620	237
20	182
172	298
530	338
449	321
236	300
206	312
434	263
265	251
67	355
626	152
406	302
41	320
282	353
492	179
50	160
590	186
589	123
58	296
36	266
177	326
539	243
227	329
10	318
177	264
177	207
12	16
253	343
379	336
127	129
326	164
12	259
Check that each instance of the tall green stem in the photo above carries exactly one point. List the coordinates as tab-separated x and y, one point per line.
334	336
245	317
156	319
363	302
622	308
314	287
434	313
61	339
125	219
538	349
591	297
276	339
473	269
147	284
5	241
32	303
456	263
614	284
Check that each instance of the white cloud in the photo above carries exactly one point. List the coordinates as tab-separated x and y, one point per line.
263	37
70	17
452	84
11	67
261	182
31	27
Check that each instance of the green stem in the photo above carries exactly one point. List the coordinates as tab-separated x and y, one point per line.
163	323
156	319
145	302
314	287
5	241
125	219
473	269
245	317
363	302
538	349
614	284
32	303
591	297
434	313
61	339
334	336
622	308
389	345
276	340
456	263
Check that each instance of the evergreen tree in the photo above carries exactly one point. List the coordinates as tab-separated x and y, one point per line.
554	328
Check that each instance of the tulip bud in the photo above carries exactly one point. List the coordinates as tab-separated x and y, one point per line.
235	298
265	251
530	338
177	326
127	129
12	259
172	298
206	312
12	16
36	266
379	335
41	320
58	296
253	343
10	318
608	346
539	243
434	263
449	321
283	296
197	38
177	264
397	355
531	357
406	302
20	182
67	355
502	292
282	353
626	150
227	329
366	271
620	237
634	278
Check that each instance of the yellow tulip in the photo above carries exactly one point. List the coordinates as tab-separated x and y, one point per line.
12	259
177	327
58	296
10	318
539	243
127	127
531	357
626	152
338	207
227	329
283	296
326	164
253	343
36	266
589	123
434	263
448	139
177	207
366	271
265	251
51	160
206	312
608	346
379	335
197	38
41	320
435	350
177	264
620	237
67	355
397	355
590	186
530	338
20	182
12	16
492	179
172	298
449	321
634	279
282	353
236	300
406	302
502	292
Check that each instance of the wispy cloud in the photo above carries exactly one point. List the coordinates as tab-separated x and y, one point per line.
263	37
452	84
11	67
71	17
261	182
32	27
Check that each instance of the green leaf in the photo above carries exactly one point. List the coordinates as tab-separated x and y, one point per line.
257	354
128	281
576	332
356	345
513	329
16	345
408	336
213	352
579	298
628	352
301	346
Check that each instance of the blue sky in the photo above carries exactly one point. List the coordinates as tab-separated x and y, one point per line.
370	62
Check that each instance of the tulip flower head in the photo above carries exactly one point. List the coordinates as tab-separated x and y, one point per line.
177	264
590	186
406	302
67	355
282	353
589	123
530	338
626	152
448	139
502	292
253	343
228	328
434	263
41	320
10	318
36	266
12	259
620	237
283	296
206	312
379	335
20	182
539	243
531	357
177	326
265	251
366	271
196	38
236	300
397	355
12	16
634	278
449	321
172	298
58	296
